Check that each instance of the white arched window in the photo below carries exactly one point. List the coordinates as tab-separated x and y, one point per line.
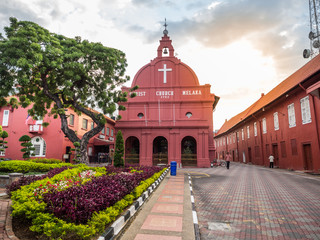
40	146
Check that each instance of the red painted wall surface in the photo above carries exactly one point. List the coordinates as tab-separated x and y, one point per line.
168	91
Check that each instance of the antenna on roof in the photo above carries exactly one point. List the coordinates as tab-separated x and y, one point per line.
314	35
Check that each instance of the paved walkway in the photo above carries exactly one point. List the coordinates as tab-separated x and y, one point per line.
6	232
167	215
252	202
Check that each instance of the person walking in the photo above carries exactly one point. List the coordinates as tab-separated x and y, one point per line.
271	159
228	159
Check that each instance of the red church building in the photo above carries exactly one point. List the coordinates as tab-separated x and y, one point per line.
170	119
284	122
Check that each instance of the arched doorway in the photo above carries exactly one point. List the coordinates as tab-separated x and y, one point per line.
132	150
188	151
160	151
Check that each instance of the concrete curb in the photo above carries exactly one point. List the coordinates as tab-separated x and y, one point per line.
112	231
194	213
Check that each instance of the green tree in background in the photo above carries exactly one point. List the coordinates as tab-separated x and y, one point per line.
27	146
53	73
119	151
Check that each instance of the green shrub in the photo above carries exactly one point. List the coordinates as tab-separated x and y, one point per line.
45	160
119	151
28	148
21	166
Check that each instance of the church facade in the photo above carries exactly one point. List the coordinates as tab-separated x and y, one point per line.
170	119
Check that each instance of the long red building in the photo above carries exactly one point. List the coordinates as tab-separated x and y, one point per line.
285	123
50	142
170	119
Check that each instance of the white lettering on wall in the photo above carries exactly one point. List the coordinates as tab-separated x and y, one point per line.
191	92
141	94
164	94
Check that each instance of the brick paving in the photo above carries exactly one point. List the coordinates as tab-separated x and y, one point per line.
252	202
6	232
243	203
167	215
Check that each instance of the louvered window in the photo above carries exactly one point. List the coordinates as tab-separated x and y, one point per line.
5	118
305	110
291	116
255	129
276	121
264	125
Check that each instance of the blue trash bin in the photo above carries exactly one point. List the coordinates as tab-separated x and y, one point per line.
173	168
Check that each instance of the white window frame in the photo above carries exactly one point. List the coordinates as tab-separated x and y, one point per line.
305	110
227	140
86	123
42	146
276	121
291	115
71	120
255	129
5	118
90	151
248	131
242	134
111	132
264	125
2	152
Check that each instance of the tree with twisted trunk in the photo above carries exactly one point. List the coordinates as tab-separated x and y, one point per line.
53	73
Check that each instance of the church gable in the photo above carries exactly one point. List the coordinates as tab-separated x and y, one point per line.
165	72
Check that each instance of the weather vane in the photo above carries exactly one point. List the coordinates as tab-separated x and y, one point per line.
165	31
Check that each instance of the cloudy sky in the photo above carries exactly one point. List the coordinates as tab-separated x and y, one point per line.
242	48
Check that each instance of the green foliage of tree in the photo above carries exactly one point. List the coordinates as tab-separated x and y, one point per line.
52	73
119	150
28	148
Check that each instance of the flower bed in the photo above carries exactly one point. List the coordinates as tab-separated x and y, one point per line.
80	202
29	179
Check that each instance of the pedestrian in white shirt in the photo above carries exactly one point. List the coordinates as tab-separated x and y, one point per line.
271	159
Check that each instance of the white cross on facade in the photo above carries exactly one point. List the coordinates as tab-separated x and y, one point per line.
165	70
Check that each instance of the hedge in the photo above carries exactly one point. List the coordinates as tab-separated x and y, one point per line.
21	166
